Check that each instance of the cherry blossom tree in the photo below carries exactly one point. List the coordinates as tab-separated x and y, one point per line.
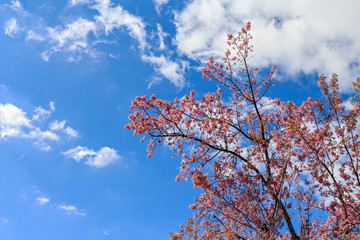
267	169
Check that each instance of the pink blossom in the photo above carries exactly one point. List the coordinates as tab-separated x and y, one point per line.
248	26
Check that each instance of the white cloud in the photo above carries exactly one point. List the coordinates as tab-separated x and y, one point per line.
14	122
78	2
73	37
15	5
57	125
32	35
116	17
79	153
168	69
41	113
46	55
71	210
102	158
42	200
161	35
71	132
299	36
52	106
74	34
36	133
12	27
60	126
158	4
114	56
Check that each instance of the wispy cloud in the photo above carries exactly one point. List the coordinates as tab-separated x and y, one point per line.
79	36
16	6
158	4
42	200
41	113
171	70
11	27
35	36
71	210
14	122
71	38
97	159
36	195
293	35
109	231
115	17
59	126
161	36
4	220
73	3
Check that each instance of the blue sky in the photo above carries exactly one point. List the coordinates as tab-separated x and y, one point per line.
69	70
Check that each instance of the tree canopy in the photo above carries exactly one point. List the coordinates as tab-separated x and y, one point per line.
268	169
